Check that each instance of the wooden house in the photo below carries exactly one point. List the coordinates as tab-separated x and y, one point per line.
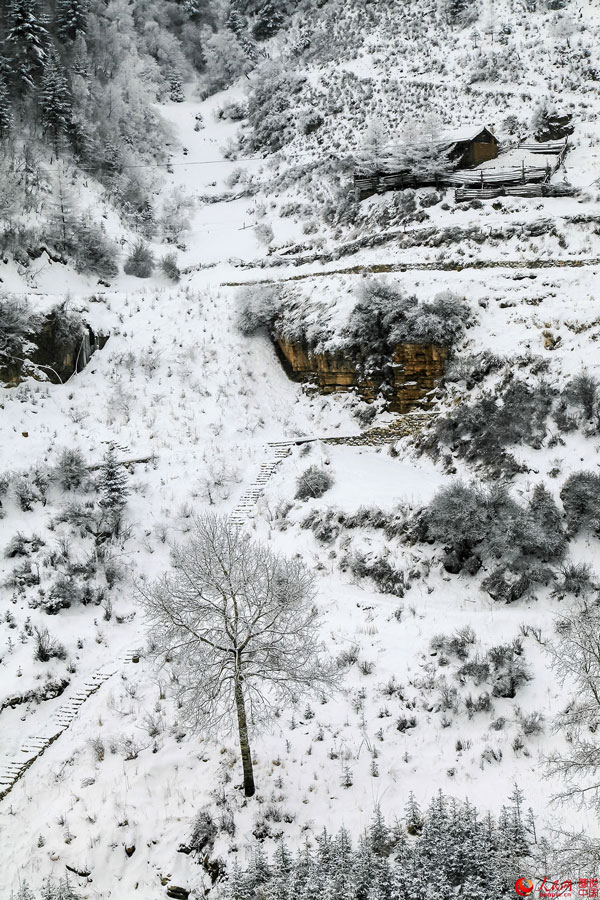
471	145
425	163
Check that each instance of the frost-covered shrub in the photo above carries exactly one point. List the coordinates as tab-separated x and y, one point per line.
312	483
385	316
47	647
458	644
257	307
576	579
16	322
509	670
264	233
140	261
271	112
476	523
480	431
204	832
70	470
169	267
25	494
79	515
93	250
326	524
388	579
19	545
580	495
63	593
582	391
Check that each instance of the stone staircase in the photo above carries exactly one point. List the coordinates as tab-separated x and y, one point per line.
278	450
33	747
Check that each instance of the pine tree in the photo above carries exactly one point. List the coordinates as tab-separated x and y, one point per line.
279	885
26	40
6	117
71	18
269	20
412	816
379	834
113	490
55	98
176	87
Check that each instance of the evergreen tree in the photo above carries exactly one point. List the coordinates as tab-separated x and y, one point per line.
379	834
412	816
55	98
279	887
112	487
26	40
6	117
269	20
176	88
363	869
71	18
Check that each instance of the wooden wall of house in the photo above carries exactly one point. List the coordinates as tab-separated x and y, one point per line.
480	152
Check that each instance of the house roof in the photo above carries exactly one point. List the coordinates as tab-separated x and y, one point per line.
463	133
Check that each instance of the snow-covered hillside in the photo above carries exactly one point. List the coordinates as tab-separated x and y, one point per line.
440	684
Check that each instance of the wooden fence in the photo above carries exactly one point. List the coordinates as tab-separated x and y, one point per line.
518	179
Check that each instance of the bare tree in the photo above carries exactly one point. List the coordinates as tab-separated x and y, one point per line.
240	622
576	661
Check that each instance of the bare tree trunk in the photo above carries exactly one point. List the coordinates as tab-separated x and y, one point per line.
244	743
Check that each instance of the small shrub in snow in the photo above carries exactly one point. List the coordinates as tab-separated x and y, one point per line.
325	524
140	261
531	723
19	545
257	307
47	647
71	470
169	266
25	494
405	723
582	391
388	579
575	578
348	657
313	482
264	233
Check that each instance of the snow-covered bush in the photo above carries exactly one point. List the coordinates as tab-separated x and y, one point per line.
93	250
472	521
204	832
257	306
140	261
47	647
580	495
385	316
388	579
313	482
479	431
169	266
70	470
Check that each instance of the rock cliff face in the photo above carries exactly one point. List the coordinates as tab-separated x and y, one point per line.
416	370
53	349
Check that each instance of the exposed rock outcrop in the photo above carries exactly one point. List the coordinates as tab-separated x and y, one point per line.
416	369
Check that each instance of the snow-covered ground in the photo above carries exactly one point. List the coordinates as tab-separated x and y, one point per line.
179	387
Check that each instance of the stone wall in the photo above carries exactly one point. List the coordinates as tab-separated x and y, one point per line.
417	369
